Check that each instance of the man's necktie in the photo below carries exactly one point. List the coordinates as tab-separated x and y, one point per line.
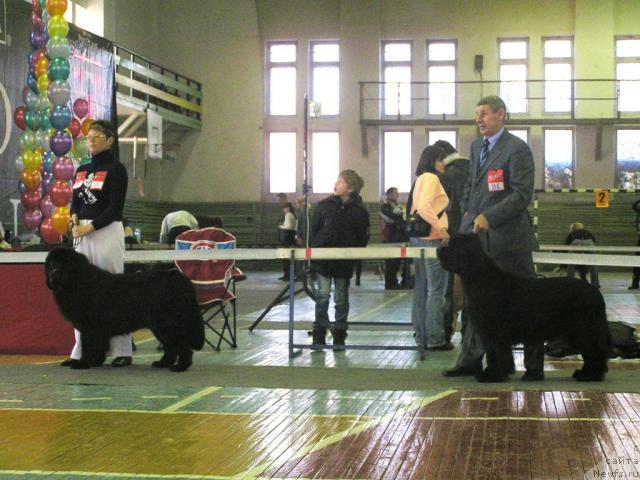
485	151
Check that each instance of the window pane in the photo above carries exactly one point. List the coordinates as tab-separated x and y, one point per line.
282	84
397	52
557	49
628	48
558	158
282	53
397	90
326	52
628	158
326	89
397	161
521	134
282	162
513	50
439	51
557	93
450	136
325	161
514	93
442	96
629	91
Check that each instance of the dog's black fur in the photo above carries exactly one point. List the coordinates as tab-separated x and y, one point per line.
101	304
507	310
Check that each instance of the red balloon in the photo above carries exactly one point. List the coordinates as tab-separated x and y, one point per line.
48	233
80	108
60	193
31	198
37	8
18	117
31	179
35	57
74	127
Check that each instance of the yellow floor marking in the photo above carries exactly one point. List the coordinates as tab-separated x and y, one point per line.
10	401
190	399
368	313
89	399
479	398
255	472
110	474
531	419
159	396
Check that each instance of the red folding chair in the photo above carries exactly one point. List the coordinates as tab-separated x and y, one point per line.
214	281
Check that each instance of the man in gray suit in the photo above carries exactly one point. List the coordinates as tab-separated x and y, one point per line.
496	196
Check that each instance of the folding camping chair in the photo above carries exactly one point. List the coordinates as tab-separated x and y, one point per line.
214	281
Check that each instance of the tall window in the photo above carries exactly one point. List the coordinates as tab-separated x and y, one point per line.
628	73
282	162
281	78
558	158
325	76
558	73
397	160
628	158
396	75
521	133
325	158
512	54
450	136
441	72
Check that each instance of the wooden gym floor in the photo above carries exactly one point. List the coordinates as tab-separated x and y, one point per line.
253	413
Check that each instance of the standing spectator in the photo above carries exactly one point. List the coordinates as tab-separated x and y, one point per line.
99	191
340	220
430	202
287	236
635	280
456	172
496	196
392	227
175	223
580	236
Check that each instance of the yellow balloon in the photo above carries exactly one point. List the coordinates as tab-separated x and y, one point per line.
57	26
60	219
43	83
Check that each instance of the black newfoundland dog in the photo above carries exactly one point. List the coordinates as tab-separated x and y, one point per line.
101	304
507	310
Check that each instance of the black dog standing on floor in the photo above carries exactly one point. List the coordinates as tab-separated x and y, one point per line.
507	310
100	305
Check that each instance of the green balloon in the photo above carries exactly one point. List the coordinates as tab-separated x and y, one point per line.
59	69
31	119
26	140
45	124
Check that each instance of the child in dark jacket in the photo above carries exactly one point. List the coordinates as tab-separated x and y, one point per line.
340	220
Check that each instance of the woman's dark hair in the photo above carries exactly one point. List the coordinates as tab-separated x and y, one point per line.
103	126
430	155
291	208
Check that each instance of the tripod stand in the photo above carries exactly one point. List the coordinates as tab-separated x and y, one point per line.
303	273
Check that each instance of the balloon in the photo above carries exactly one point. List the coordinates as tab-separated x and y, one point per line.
57	26
27	140
30	199
59	69
31	119
36	7
45	124
43	102
31	179
59	92
40	68
37	39
75	128
81	147
31	100
86	125
60	219
31	218
47	161
60	116
42	84
60	193
19	164
30	160
42	140
21	187
46	206
85	160
48	233
61	143
58	47
36	23
18	117
80	108
32	82
63	169
56	7
47	178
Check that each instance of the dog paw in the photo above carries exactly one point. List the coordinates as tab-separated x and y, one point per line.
159	364
80	365
179	368
582	376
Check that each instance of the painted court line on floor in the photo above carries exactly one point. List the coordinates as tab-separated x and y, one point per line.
190	399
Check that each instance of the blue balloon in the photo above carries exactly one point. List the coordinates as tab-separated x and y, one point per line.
21	187
47	161
33	83
60	117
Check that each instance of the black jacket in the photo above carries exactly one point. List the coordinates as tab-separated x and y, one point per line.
456	172
582	234
335	224
392	228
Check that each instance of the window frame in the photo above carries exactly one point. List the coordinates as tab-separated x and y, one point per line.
616	170
383	159
442	63
573	154
313	64
563	61
384	64
619	60
270	65
516	61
